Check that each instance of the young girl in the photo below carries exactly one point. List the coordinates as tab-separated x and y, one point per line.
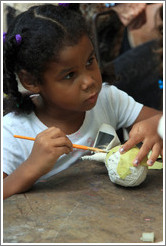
50	50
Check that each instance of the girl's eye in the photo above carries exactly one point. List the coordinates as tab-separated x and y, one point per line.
90	61
69	75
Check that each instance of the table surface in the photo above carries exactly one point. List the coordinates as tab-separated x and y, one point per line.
82	205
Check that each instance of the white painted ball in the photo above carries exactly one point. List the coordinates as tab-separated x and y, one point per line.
121	170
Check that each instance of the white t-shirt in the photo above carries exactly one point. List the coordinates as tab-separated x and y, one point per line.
113	107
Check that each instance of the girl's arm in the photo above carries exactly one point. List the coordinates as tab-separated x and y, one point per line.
49	145
146	113
20	180
144	130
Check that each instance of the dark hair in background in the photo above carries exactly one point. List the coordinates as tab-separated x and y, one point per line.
160	42
45	30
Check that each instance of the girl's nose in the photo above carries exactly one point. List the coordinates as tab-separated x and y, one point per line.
87	82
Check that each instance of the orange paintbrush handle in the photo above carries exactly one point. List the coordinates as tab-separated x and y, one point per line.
74	145
23	137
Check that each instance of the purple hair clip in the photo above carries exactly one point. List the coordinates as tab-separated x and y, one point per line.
18	38
4	37
64	4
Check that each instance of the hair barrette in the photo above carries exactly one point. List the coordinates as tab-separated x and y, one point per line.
18	38
160	83
64	4
4	37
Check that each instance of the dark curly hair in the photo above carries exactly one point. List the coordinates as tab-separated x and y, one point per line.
45	30
160	42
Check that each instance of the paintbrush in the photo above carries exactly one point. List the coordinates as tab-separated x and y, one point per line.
74	145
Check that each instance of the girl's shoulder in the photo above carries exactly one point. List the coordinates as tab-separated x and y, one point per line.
114	91
17	119
23	122
110	90
107	87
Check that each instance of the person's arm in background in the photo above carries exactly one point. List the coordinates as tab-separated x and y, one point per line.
144	130
131	14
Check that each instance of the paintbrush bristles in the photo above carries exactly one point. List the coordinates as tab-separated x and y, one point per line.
97	150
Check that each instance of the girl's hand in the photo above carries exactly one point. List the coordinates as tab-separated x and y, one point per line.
145	131
49	145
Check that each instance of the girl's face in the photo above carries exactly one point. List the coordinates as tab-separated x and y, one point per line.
72	84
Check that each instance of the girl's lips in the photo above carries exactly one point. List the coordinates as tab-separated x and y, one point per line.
92	99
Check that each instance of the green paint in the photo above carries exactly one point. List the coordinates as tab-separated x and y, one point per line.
126	159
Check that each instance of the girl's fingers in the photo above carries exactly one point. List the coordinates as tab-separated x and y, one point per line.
54	144
63	142
143	152
63	150
129	144
154	155
53	138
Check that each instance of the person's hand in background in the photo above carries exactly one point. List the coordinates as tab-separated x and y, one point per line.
132	14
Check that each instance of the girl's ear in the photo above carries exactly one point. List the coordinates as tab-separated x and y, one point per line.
28	81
